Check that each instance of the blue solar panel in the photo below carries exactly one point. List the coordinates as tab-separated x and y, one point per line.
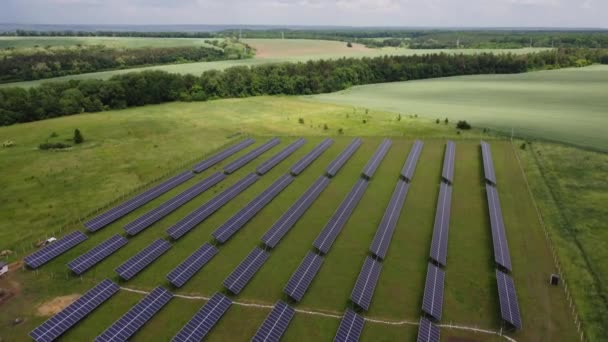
350	327
303	163
488	163
372	165
142	259
238	220
97	254
156	214
246	159
428	332
448	162
439	244
279	157
337	163
203	212
204	320
54	250
385	230
499	237
432	301
124	208
366	283
188	268
410	164
303	276
509	308
244	272
75	312
282	226
329	234
275	324
218	157
135	318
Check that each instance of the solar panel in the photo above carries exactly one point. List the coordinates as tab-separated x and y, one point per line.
488	163
499	236
350	327
366	283
329	234
432	302
54	249
188	268
245	271
156	214
126	207
224	232
303	163
279	157
142	259
97	254
439	244
337	163
448	162
136	317
204	320
218	157
246	159
75	312
385	230
407	172
509	308
203	212
428	332
372	165
275	324
302	278
282	226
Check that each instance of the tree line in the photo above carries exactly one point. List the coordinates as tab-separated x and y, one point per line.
56	99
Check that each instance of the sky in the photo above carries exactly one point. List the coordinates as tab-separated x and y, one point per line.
410	13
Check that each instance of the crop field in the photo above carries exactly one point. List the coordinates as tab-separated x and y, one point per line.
567	105
111	42
470	291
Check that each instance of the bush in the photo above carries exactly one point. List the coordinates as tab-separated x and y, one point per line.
340	131
463	124
325	128
78	138
523	146
446	121
364	121
399	117
53	146
437	121
349	44
301	120
54	135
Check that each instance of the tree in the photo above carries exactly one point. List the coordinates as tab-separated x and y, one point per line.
340	131
437	121
463	124
301	121
399	117
446	121
325	128
349	44
78	138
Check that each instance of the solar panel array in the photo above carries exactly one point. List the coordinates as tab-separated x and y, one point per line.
54	249
432	302
488	163
428	331
311	156
282	226
204	320
97	254
275	324
142	259
246	159
218	157
302	278
448	162
350	327
337	163
136	317
203	212
439	244
188	268
509	308
245	271
75	312
366	283
126	207
499	237
407	172
224	232
279	157
385	230
329	234
156	214
371	166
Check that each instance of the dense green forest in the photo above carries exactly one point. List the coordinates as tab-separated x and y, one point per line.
55	99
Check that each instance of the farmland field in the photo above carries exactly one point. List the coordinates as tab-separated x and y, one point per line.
111	42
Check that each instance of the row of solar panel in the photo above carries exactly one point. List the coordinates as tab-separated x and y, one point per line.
222	155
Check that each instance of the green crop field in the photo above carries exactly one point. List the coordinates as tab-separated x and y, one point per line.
112	42
567	105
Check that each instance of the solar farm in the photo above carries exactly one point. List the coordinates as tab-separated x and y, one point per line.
339	238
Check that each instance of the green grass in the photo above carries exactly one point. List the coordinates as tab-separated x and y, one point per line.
111	42
566	105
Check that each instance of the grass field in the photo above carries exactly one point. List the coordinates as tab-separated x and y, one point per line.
567	105
470	297
111	42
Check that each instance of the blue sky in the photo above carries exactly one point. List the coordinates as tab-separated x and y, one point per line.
468	13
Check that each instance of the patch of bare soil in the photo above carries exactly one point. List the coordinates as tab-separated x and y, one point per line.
56	304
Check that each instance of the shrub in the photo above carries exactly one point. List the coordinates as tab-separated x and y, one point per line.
78	138
437	121
463	124
301	120
54	135
349	44
340	131
523	146
446	121
53	146
399	117
325	128
364	121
